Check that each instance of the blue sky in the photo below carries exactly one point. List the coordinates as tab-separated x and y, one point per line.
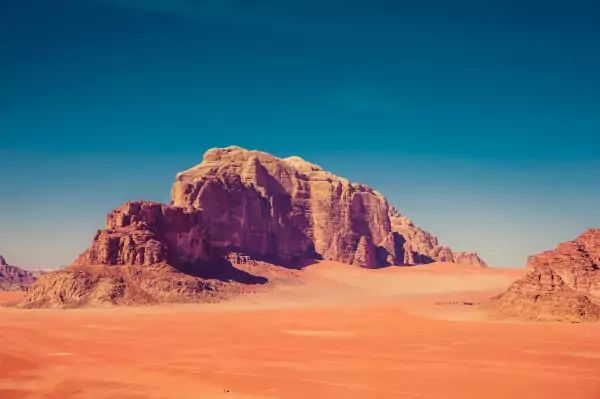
478	119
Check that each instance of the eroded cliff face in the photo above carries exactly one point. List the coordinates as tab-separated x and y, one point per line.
289	208
562	284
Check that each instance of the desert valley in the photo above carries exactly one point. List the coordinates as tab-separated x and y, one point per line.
270	277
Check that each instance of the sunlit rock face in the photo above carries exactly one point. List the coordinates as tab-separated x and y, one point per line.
289	208
562	284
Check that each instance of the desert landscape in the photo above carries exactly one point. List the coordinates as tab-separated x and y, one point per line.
299	199
340	331
272	278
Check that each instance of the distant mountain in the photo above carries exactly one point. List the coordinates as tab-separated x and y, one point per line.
246	204
13	278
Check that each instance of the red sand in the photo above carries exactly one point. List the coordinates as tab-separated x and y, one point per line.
346	333
7	297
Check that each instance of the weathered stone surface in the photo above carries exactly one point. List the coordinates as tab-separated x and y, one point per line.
147	233
290	208
418	246
562	284
366	253
13	278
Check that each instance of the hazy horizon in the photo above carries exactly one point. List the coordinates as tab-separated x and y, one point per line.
477	119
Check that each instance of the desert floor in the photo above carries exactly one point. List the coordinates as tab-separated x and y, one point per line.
411	332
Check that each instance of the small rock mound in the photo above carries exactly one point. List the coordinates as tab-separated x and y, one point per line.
118	285
469	258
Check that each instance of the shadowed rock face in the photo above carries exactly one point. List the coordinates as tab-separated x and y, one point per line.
147	233
562	284
14	278
281	211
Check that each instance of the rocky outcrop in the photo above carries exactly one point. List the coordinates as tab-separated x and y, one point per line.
469	258
272	210
560	285
280	210
147	233
13	278
366	253
290	208
418	246
99	285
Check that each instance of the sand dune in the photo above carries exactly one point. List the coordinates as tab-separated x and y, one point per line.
344	332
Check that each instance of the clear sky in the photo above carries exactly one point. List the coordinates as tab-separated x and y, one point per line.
480	120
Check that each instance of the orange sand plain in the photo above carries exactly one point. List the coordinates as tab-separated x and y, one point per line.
345	333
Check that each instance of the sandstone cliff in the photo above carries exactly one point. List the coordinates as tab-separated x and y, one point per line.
561	285
268	209
289	208
13	278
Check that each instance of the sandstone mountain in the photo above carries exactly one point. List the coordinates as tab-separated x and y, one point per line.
290	208
560	285
13	278
272	210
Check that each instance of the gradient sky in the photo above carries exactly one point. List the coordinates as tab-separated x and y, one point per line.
480	120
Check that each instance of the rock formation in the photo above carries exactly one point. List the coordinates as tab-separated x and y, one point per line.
13	278
289	209
365	254
99	285
279	211
147	233
560	285
468	258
